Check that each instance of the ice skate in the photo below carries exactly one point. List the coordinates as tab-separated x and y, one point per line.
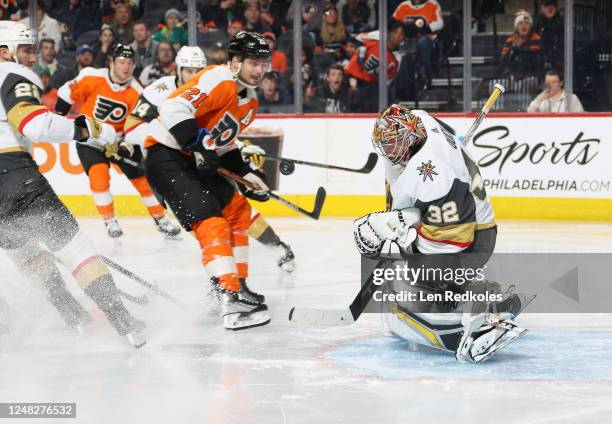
286	260
113	229
169	229
239	314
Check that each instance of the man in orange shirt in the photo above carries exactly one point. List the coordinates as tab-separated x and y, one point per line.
108	95
195	133
423	19
365	63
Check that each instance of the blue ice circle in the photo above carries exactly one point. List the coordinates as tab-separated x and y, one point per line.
539	355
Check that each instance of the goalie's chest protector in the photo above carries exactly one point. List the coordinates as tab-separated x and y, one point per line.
439	170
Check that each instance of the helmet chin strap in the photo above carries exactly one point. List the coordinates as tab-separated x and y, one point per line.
238	79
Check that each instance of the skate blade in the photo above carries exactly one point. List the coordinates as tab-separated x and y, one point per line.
238	321
288	266
507	338
137	340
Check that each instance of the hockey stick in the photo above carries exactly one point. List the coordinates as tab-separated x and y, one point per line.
139	300
318	204
337	317
498	89
349	315
287	166
142	281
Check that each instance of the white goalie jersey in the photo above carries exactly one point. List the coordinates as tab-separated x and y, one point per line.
444	183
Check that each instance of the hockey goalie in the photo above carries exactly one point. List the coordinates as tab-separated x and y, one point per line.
438	215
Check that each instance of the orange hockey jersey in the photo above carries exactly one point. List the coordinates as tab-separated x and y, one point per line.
101	98
430	10
211	98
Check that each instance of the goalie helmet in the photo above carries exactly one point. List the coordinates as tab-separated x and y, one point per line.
14	34
398	134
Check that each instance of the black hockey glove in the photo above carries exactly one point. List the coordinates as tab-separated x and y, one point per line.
207	161
258	196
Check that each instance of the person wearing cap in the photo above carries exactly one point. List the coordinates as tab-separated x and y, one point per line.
84	58
172	31
521	53
279	59
550	26
49	94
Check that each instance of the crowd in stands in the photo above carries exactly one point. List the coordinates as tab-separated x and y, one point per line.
340	54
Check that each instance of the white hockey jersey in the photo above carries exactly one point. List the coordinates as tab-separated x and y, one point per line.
23	118
444	183
147	109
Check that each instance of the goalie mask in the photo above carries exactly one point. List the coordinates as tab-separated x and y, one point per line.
398	134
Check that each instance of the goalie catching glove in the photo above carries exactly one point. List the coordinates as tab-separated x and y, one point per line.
92	133
386	235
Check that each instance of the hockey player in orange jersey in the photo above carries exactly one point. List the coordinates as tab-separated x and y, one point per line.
195	134
108	95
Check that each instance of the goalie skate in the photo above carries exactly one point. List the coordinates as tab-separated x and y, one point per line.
484	335
239	314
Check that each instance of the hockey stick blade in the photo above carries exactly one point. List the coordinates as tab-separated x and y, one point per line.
366	169
339	317
318	204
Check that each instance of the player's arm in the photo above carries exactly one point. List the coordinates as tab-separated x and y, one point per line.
72	91
135	127
448	223
29	117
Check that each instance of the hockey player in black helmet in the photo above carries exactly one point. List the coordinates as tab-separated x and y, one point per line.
249	58
122	60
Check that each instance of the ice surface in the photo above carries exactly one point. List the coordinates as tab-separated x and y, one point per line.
192	370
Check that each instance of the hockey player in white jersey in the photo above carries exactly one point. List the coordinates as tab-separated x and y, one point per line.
31	214
440	216
189	61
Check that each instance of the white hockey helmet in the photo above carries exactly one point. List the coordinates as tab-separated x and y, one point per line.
14	34
190	57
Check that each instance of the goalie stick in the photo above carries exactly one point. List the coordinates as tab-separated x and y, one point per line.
318	204
287	166
347	316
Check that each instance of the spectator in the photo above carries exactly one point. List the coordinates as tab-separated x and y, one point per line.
47	26
549	25
163	66
144	46
221	14
172	31
122	24
332	31
312	14
103	46
349	47
279	59
356	16
273	14
216	55
49	94
423	19
47	54
76	17
252	18
364	65
209	36
268	92
106	13
521	53
84	58
552	99
234	27
334	96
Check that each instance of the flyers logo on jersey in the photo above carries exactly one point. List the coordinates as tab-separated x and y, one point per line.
109	109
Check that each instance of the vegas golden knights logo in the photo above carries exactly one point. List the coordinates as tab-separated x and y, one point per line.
112	110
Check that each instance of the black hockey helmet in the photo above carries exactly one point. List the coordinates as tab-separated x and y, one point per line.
249	44
122	50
